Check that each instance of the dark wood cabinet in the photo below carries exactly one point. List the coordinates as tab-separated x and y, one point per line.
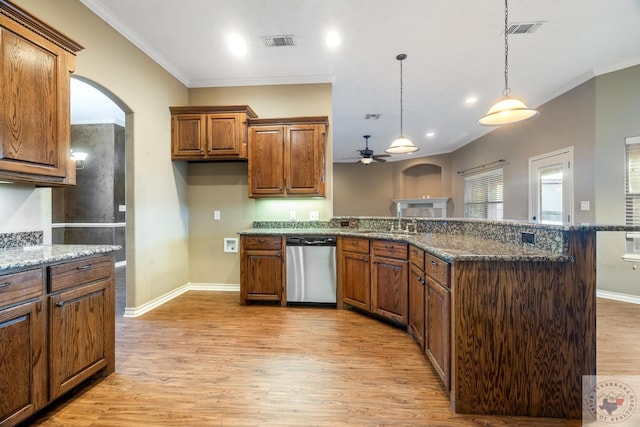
209	133
81	322
437	344
389	280
262	269
35	127
355	272
287	157
22	346
416	294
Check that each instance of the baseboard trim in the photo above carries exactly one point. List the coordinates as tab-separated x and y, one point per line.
120	264
155	303
617	296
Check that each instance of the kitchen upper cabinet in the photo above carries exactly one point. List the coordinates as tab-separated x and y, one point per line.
22	346
262	269
355	271
287	157
209	133
438	317
389	280
36	62
416	294
81	322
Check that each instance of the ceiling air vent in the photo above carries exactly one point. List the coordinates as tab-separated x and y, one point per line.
278	41
523	27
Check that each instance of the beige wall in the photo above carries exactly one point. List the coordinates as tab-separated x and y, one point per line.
157	220
224	187
617	117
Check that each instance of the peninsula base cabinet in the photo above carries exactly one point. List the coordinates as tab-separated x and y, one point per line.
389	280
355	272
57	328
416	295
262	270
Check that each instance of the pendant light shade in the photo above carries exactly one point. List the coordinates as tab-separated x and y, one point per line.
507	109
402	144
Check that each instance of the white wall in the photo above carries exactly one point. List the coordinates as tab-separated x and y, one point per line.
25	208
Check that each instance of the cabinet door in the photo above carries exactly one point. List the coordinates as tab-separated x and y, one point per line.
78	334
437	339
225	136
416	304
34	120
22	362
262	276
356	280
304	159
188	133
389	288
266	161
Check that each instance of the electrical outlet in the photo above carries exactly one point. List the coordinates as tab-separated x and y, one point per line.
529	238
216	215
314	216
292	215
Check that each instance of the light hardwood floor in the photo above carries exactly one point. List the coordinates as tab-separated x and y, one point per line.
204	360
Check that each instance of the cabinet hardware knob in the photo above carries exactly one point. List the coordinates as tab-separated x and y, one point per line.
4	284
84	267
60	304
434	263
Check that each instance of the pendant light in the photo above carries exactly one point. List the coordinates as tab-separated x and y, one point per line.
507	109
402	144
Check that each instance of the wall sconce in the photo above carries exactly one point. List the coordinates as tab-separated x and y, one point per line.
79	157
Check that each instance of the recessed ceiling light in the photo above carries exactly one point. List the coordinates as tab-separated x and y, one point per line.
431	134
237	45
471	100
333	39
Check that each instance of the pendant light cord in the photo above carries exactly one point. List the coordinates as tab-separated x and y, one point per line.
506	90
401	58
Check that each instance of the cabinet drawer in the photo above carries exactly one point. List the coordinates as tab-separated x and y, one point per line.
76	273
355	244
262	242
390	249
438	269
20	286
416	256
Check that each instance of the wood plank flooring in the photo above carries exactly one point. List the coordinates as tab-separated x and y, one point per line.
204	360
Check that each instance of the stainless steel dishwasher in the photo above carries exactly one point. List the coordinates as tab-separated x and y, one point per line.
311	269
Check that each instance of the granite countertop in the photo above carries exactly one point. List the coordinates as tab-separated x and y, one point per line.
31	256
445	246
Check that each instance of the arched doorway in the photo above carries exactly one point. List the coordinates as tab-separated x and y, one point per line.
94	211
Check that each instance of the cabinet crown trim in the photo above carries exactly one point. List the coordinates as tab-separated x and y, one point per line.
39	27
213	109
323	120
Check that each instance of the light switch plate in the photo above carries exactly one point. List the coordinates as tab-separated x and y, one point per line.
584	205
292	215
216	215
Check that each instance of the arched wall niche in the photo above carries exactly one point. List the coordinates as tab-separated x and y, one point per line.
421	180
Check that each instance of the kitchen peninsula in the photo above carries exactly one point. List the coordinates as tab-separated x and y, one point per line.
509	326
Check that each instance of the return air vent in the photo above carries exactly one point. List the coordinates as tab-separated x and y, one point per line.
279	41
371	116
523	27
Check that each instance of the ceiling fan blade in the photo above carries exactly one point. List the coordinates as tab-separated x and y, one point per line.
378	159
382	155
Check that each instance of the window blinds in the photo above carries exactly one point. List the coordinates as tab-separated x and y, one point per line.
483	195
632	181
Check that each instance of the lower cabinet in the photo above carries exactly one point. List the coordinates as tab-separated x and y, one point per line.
355	272
22	361
416	294
437	341
262	269
389	280
57	328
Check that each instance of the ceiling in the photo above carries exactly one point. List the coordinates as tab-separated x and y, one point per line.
455	50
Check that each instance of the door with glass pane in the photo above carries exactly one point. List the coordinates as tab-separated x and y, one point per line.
551	187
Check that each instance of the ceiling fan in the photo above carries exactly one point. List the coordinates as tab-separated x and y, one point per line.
367	155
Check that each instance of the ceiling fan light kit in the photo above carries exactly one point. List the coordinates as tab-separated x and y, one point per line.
367	155
507	109
402	144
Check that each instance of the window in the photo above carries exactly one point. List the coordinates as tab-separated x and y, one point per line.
632	191
483	195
